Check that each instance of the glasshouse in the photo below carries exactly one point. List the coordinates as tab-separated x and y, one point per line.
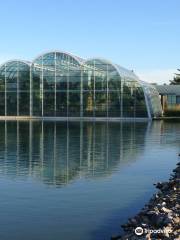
59	84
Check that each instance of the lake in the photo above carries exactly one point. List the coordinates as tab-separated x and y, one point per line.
73	181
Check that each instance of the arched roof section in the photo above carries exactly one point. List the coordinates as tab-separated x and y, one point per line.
77	60
101	64
12	66
123	72
13	62
127	73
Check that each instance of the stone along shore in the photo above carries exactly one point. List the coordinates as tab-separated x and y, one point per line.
160	218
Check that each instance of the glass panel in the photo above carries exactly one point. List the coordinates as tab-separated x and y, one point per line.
61	82
2	103
74	104
101	104
24	98
114	83
128	102
88	80
173	99
101	82
61	104
153	100
24	77
37	107
141	109
74	80
49	104
114	104
178	99
36	79
11	103
11	81
88	103
2	81
49	80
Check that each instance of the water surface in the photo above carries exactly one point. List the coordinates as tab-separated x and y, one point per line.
79	180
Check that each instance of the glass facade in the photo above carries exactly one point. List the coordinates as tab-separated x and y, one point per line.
58	84
153	100
171	100
15	89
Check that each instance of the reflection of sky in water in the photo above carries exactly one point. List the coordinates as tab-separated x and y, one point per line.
105	172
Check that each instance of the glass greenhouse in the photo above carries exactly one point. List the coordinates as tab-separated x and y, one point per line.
58	84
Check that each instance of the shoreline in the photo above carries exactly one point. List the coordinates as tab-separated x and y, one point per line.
160	217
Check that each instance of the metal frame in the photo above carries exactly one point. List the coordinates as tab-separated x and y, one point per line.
79	60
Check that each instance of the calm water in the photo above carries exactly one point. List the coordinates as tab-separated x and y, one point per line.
76	181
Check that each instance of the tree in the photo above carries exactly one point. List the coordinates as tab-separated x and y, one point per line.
176	80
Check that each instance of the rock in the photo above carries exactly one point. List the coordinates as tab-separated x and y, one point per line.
159	221
167	220
148	236
158	185
150	213
176	220
166	210
177	206
165	234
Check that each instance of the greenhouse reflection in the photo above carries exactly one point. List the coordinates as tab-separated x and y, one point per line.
58	153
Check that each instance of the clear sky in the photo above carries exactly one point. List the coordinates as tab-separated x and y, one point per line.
143	35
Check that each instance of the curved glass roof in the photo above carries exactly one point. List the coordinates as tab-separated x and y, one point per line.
64	57
102	64
126	73
60	55
14	62
11	67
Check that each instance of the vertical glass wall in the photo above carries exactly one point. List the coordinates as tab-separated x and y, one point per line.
2	91
101	90
15	88
134	103
116	92
153	99
56	81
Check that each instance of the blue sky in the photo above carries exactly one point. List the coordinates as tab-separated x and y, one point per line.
143	35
